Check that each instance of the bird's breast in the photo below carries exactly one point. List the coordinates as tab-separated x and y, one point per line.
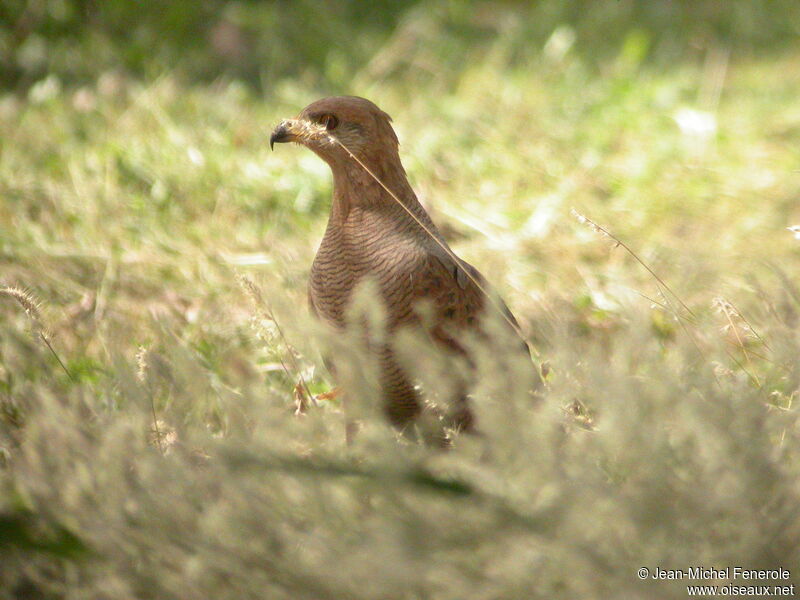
365	247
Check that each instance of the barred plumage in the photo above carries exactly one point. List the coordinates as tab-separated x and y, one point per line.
370	234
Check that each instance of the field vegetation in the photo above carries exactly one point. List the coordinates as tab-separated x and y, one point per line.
626	173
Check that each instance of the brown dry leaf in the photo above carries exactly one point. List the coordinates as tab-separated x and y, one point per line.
300	399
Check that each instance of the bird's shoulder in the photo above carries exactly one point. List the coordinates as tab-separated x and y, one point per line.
459	290
453	285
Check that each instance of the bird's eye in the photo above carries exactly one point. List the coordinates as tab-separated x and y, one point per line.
329	122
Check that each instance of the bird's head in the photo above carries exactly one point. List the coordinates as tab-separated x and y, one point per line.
363	128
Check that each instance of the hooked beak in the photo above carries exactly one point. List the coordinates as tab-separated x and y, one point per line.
284	132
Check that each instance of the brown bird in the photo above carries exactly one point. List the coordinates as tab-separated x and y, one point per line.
378	229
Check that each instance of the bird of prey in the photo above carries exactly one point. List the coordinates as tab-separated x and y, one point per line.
378	229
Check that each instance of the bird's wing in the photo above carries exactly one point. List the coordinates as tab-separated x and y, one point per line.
487	287
458	291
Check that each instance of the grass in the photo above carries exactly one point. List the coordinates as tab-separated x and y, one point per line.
164	460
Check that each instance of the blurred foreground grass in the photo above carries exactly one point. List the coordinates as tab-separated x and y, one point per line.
168	463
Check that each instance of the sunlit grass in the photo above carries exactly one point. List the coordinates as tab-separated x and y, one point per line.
165	460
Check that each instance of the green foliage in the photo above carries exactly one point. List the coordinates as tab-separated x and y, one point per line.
152	450
16	530
329	42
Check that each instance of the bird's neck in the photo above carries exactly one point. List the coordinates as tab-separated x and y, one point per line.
380	187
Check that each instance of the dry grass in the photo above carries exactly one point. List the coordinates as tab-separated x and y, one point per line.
164	459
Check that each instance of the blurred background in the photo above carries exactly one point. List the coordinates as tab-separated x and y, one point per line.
328	43
153	332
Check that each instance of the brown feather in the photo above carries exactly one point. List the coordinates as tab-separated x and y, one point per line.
370	235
